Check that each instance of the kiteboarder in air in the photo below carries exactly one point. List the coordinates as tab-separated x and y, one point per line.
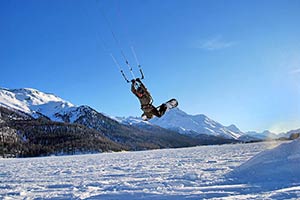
137	87
141	92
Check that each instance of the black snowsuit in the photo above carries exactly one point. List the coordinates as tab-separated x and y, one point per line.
141	92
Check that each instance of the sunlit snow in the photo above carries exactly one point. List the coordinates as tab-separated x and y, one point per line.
33	102
188	173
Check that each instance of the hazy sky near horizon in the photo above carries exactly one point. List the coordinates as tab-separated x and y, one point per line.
238	62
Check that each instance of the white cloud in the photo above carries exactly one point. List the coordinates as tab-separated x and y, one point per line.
295	71
215	43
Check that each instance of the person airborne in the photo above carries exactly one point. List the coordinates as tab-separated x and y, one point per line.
141	92
137	87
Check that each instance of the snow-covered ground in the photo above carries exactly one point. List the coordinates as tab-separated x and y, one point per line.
190	173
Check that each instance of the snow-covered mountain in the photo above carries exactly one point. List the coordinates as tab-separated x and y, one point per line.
50	109
39	104
262	136
235	129
35	103
178	120
289	133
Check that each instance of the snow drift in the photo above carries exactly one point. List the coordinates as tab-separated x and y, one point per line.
278	165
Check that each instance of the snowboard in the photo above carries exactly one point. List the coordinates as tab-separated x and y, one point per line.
172	103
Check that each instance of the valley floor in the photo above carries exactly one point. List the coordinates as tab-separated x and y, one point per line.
187	173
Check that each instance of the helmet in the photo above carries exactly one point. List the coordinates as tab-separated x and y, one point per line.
140	90
137	85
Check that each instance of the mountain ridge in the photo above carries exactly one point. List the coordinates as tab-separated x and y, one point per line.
40	104
32	109
67	123
192	125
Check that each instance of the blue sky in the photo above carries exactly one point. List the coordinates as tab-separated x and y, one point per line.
234	61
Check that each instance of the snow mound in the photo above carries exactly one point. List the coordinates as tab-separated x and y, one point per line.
281	164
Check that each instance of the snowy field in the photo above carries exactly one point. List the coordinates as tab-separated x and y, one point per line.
188	173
